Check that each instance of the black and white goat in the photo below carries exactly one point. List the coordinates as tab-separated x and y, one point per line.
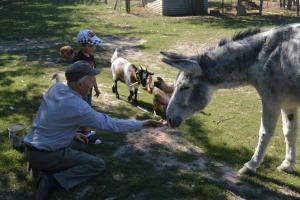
126	72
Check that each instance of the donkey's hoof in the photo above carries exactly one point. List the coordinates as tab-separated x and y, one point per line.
246	171
118	97
285	168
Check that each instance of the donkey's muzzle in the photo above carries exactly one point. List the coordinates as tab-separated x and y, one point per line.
174	121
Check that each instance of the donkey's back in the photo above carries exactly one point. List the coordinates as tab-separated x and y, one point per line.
277	71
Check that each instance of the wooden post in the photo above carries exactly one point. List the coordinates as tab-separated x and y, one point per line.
223	7
297	2
115	7
289	4
260	7
105	1
127	3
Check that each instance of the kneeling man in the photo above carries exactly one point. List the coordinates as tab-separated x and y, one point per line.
61	113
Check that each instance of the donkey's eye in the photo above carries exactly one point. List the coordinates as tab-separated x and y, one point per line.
184	87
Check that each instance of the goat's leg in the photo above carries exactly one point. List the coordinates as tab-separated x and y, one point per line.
135	96
289	127
115	89
130	95
270	112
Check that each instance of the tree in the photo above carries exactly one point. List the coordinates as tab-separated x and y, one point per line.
260	7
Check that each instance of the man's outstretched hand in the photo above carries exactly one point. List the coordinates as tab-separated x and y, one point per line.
154	123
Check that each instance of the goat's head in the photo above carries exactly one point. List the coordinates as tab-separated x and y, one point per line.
144	77
158	82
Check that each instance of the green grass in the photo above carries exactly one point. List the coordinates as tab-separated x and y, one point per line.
229	134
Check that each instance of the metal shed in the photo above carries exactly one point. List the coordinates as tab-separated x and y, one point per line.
178	7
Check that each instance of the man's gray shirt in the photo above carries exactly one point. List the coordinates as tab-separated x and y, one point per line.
60	115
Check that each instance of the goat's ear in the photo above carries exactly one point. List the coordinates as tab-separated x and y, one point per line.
187	65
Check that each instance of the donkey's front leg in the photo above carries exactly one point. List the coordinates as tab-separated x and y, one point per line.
270	112
289	127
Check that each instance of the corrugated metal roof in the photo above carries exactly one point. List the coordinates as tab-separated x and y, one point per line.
178	7
155	5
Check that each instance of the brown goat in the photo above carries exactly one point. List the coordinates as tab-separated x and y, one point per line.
161	96
165	87
67	53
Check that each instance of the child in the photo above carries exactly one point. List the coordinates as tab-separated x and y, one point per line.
88	41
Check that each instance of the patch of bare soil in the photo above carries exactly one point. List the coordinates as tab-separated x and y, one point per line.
162	147
26	44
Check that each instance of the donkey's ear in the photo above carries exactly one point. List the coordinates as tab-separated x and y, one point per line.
173	55
181	62
186	65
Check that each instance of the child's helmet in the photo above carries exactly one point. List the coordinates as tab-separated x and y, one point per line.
87	36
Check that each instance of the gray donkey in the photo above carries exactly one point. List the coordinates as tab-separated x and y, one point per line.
268	60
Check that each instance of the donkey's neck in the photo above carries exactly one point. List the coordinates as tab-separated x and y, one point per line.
228	66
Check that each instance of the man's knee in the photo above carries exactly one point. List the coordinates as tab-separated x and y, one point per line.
98	164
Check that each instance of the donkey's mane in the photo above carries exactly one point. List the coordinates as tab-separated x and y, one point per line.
241	35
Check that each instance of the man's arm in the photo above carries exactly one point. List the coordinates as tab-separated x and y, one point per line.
98	120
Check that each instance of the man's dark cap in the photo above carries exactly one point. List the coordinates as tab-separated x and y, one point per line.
79	69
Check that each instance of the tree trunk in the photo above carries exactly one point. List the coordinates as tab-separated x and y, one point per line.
116	3
260	7
297	2
222	6
289	5
127	2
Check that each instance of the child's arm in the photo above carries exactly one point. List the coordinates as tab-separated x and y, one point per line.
97	91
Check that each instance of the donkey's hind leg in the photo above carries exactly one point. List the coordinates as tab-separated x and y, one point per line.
289	127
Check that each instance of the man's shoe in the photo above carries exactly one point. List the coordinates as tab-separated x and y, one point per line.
92	138
46	184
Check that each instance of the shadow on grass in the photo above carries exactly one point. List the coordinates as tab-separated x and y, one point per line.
235	22
23	104
235	157
37	29
14	180
265	179
125	111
